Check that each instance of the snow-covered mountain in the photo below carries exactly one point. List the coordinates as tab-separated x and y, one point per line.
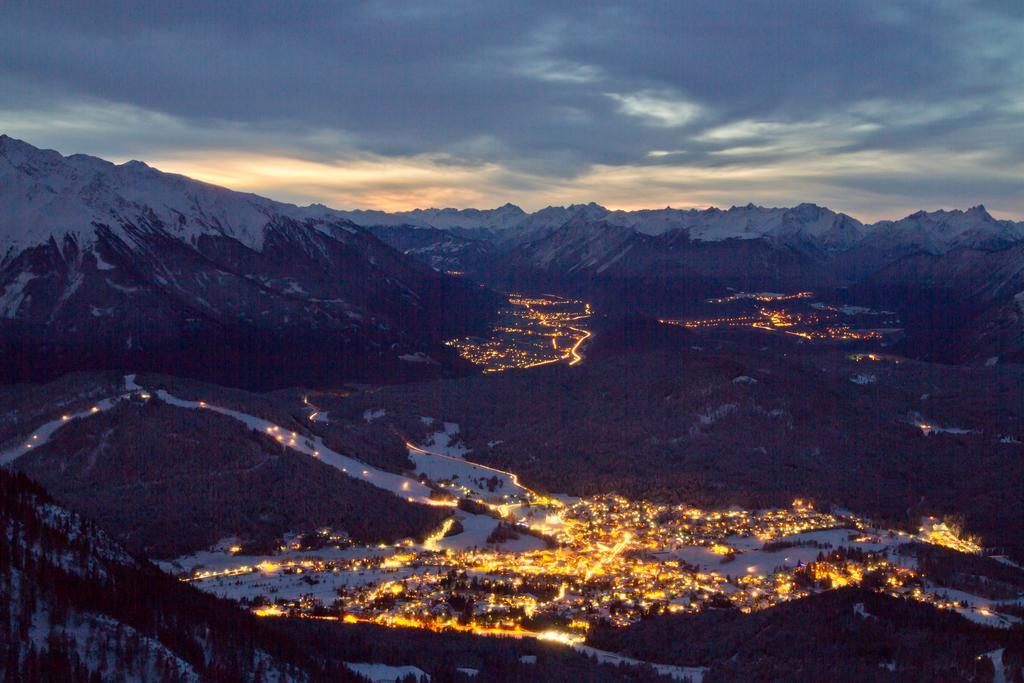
124	265
593	251
507	216
937	232
855	249
510	223
969	302
105	265
932	233
444	250
805	225
47	196
954	276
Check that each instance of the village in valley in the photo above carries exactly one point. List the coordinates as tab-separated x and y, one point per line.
515	562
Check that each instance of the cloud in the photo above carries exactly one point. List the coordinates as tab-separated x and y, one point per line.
656	108
516	101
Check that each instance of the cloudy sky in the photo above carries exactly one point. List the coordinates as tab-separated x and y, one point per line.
874	108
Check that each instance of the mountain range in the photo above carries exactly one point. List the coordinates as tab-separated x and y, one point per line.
124	266
935	232
955	277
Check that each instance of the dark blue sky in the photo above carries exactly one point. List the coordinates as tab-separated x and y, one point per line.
875	108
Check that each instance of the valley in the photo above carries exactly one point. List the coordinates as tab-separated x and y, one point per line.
612	562
571	342
515	562
668	418
797	315
523	330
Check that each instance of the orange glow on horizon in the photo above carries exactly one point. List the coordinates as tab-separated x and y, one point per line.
375	182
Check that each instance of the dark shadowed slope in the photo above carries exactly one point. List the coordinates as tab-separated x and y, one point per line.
76	607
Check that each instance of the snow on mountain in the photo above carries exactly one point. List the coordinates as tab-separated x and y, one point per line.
555	216
511	225
443	250
503	217
580	244
804	226
45	195
806	222
937	232
129	260
583	252
99	260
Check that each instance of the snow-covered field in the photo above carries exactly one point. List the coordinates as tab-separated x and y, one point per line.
485	482
693	674
476	530
385	673
445	441
752	559
273	580
975	608
219	558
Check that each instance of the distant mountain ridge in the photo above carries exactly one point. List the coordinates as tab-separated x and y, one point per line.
954	276
58	193
935	231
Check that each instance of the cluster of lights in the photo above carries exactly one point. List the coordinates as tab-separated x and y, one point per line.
811	326
533	331
760	296
615	563
940	533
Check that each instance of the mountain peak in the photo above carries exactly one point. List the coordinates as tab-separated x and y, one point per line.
980	212
18	150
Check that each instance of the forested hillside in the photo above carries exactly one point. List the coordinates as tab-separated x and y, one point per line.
846	636
166	481
723	424
74	606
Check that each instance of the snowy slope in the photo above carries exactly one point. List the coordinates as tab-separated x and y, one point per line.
45	195
112	261
937	232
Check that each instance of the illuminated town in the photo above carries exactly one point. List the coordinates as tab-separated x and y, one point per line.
531	331
511	561
515	562
792	314
604	560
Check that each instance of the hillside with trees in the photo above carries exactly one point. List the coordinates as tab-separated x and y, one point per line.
74	606
166	481
846	636
729	424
